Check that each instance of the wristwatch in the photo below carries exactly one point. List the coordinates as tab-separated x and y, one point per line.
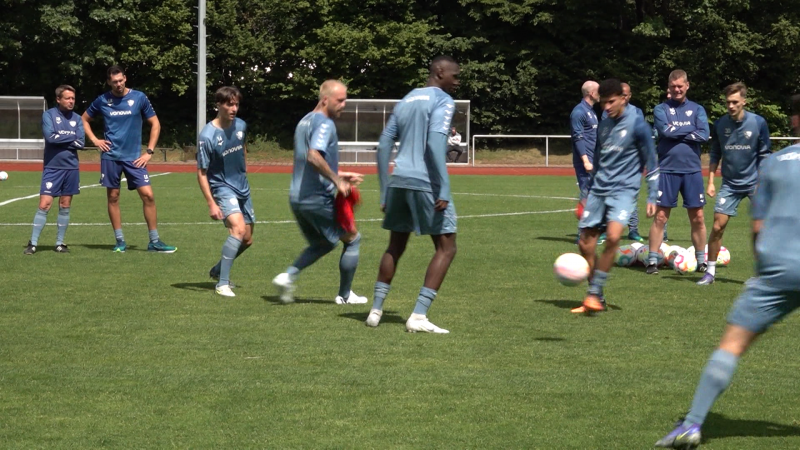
150	151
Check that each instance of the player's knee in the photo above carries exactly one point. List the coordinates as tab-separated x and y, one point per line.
113	197
612	241
148	198
238	231
719	227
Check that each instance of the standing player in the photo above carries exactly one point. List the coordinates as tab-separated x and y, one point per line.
222	175
741	140
122	110
63	137
624	142
682	126
315	181
417	196
583	123
768	298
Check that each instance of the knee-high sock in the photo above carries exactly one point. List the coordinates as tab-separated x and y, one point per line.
348	263
217	267
229	250
381	291
424	300
715	379
39	220
63	222
598	282
633	223
309	256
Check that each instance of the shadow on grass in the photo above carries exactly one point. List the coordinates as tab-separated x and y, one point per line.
569	304
276	300
201	286
549	339
570	238
718	426
388	316
717	279
107	247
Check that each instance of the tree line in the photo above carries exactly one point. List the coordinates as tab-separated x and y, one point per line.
523	61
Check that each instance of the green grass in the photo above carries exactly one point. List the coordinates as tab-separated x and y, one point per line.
103	350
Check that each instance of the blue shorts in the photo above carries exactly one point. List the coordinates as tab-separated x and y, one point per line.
409	210
60	182
762	305
690	185
230	203
615	207
728	201
318	223
111	170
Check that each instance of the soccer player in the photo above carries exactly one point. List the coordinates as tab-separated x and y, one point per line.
222	175
63	137
767	298
583	123
122	110
624	142
741	140
316	179
417	195
682	126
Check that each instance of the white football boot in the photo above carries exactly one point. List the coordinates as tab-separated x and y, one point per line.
420	323
352	299
285	286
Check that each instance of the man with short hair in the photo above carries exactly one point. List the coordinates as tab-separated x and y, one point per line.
316	180
416	197
63	137
454	145
624	143
741	141
682	126
769	297
583	123
122	110
222	176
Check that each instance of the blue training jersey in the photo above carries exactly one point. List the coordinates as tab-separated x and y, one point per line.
122	119
624	148
741	146
681	128
421	122
222	154
63	137
315	131
583	125
775	202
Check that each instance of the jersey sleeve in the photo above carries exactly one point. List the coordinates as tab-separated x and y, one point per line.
576	119
647	153
763	194
147	108
80	135
94	107
442	115
48	129
764	142
204	149
385	145
701	132
321	135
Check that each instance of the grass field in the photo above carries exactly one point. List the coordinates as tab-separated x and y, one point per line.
133	350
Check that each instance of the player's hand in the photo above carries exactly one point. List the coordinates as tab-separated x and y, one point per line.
142	160
103	145
588	166
712	190
440	205
383	208
343	187
215	213
352	177
651	210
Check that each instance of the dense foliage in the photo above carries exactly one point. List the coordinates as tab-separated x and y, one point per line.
523	61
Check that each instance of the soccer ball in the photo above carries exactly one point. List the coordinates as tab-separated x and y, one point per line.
674	250
571	269
684	262
625	256
3	176
723	257
643	255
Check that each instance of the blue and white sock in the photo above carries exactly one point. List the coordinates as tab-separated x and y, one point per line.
715	379
63	222
39	220
424	300
348	263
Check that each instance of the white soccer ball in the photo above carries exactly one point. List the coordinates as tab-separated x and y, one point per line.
669	257
625	256
684	262
571	269
723	257
3	176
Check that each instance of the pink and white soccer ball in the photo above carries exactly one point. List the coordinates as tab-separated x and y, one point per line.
684	262
723	257
571	269
674	250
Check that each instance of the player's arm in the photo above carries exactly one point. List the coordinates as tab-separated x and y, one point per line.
761	200
385	144
647	152
715	155
437	147
584	194
155	131
701	131
86	118
318	163
49	130
577	121
664	126
764	142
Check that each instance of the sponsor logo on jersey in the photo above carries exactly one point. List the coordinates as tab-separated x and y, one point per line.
130	102
737	147
231	150
72	123
70	132
689	113
120	113
681	124
240	135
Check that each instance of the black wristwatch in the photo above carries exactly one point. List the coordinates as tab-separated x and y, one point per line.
150	151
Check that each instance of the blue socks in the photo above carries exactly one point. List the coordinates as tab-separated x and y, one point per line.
309	256
218	267
652	257
118	235
633	223
424	300
229	251
153	234
39	220
715	379
63	221
347	266
700	256
598	282
381	291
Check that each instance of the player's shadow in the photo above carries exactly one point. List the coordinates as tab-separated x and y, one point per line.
569	304
570	238
388	316
549	339
718	426
717	279
276	300
107	247
198	287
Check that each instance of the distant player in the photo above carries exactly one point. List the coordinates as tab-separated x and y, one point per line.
63	137
316	179
222	175
122	110
767	298
416	198
624	142
741	140
682	126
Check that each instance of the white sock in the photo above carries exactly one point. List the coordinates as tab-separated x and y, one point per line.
712	268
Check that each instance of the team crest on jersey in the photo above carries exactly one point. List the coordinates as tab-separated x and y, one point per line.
58	120
48	185
623	133
219	141
727	132
130	102
109	101
72	123
672	111
747	134
689	113
240	135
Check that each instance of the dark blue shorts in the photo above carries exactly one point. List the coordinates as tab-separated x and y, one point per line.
690	186
60	182
110	172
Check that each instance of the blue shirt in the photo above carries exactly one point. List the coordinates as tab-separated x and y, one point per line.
318	132
681	128
775	202
221	153
63	137
741	146
624	148
122	119
583	123
421	122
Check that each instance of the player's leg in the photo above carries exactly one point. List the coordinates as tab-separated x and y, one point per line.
71	185
110	172
714	244
633	223
583	185
348	263
246	208
237	229
39	221
693	192
668	187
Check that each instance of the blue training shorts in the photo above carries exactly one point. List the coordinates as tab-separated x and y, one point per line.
111	170
318	223
616	207
410	210
60	182
690	186
761	305
230	203
728	201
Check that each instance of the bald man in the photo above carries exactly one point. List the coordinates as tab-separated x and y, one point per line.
316	180
583	125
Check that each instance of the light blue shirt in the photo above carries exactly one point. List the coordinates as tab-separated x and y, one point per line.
222	154
318	132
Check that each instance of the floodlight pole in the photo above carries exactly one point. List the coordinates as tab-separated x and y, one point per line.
201	65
